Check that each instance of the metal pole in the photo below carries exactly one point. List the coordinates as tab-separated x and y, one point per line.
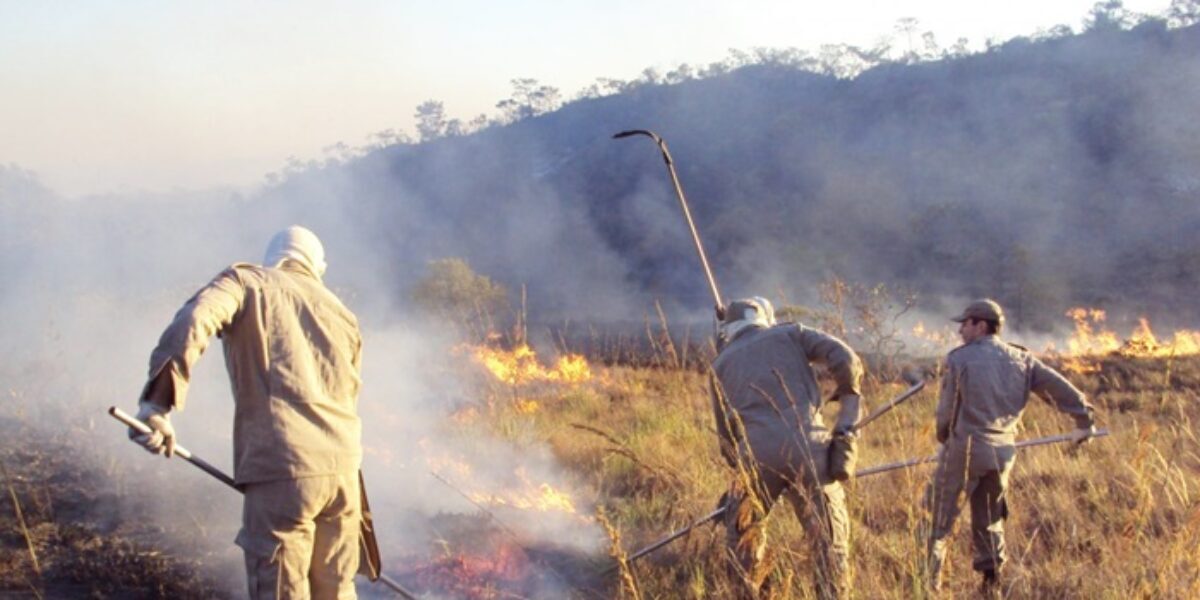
918	384
687	213
712	516
912	462
132	422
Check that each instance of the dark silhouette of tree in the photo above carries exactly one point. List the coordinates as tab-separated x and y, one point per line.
1110	15
431	120
529	99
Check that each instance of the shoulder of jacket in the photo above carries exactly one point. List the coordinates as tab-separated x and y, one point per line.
241	270
1018	347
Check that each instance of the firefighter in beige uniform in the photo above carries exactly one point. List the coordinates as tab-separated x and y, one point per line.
985	386
766	401
293	353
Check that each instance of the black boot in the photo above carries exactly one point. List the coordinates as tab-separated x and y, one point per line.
990	587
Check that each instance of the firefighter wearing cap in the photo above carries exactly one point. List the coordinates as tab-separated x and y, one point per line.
766	401
293	352
985	385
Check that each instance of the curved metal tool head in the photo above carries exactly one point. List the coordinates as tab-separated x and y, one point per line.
632	132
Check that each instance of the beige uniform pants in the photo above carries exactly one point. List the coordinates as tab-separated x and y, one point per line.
821	508
985	487
300	537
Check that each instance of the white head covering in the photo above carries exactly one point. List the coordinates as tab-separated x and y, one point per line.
297	244
747	312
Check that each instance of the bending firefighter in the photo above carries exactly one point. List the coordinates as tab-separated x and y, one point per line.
985	386
293	353
766	400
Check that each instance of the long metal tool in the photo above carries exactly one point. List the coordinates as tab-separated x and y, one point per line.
710	517
916	384
687	214
132	422
912	462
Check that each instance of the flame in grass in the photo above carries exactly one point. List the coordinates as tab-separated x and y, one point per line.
541	497
523	493
1093	339
936	339
520	365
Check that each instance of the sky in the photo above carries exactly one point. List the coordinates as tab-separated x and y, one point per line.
106	97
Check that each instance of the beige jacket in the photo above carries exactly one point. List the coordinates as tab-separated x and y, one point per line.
985	386
766	377
293	352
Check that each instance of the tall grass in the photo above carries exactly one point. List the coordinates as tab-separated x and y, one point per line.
1116	518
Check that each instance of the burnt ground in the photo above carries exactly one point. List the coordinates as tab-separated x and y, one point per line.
70	529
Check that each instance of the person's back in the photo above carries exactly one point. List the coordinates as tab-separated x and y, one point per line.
985	388
293	353
293	358
766	401
767	379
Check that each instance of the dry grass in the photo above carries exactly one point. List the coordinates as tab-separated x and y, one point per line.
1118	518
70	527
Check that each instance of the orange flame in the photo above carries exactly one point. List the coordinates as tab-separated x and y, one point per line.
934	339
541	497
1092	339
520	365
525	495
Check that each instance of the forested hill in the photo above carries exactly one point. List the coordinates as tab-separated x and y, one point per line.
1050	173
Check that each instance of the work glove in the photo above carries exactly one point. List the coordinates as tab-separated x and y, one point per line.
162	438
843	455
849	412
1083	435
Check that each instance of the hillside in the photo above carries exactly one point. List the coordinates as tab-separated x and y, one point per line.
1048	173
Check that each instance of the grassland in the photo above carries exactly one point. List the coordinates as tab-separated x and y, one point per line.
1118	518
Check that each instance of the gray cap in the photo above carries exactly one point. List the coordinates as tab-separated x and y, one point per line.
981	310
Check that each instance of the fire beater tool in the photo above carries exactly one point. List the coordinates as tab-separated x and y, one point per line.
369	549
916	385
912	462
687	214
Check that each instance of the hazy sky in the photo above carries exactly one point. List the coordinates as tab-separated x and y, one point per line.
99	96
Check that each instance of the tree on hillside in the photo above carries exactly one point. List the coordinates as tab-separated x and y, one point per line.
454	292
1110	14
431	120
529	99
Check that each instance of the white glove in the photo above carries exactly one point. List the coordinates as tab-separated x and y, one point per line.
162	439
1083	434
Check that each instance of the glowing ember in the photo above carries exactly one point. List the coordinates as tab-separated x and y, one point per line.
520	365
476	562
473	576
